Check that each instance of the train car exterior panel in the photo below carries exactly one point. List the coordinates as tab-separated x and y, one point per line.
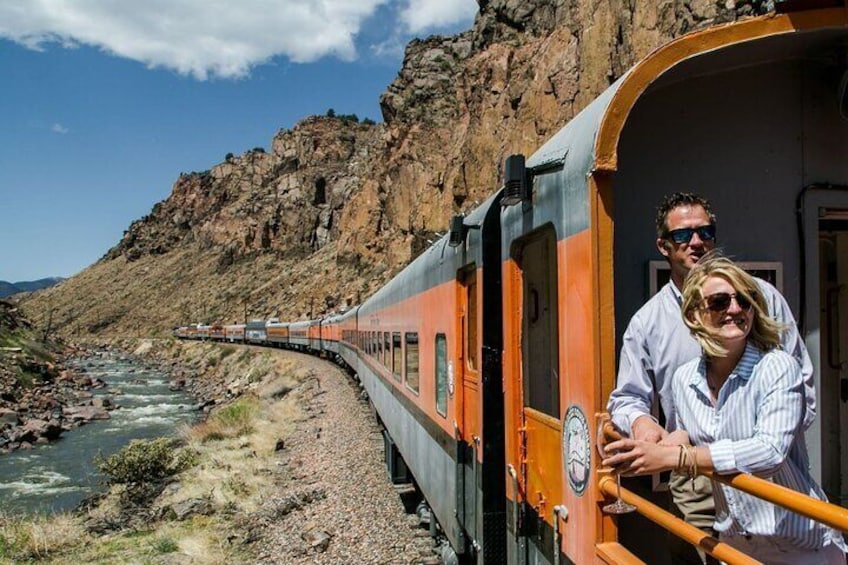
255	331
299	334
277	333
423	447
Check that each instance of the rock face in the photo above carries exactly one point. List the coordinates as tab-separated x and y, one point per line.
39	398
337	207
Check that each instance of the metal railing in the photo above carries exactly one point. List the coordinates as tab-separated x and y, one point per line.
818	510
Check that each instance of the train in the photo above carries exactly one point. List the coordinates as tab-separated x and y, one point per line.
489	359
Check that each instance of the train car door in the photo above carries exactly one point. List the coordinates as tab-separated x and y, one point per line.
539	442
468	378
826	329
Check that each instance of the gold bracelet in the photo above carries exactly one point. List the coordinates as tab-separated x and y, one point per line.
681	458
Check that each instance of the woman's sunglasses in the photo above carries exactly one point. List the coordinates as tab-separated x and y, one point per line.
684	235
720	301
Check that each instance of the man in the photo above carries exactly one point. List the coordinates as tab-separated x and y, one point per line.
657	342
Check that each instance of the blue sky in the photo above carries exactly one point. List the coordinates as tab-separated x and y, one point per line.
103	104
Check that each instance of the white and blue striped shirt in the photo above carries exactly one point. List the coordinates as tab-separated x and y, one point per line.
755	426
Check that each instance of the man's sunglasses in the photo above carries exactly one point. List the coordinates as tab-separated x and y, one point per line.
684	235
720	301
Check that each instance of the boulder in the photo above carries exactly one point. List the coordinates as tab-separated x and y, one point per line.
36	429
8	417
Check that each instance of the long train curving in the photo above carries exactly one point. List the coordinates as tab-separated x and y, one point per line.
489	359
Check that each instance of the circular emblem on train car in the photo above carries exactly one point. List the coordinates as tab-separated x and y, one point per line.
576	455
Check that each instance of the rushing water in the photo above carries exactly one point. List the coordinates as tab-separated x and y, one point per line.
59	475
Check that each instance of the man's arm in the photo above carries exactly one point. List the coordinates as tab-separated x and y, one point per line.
792	343
630	403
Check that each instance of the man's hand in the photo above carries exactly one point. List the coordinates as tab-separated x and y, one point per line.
646	429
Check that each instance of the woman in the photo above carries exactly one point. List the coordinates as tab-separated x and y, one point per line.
740	408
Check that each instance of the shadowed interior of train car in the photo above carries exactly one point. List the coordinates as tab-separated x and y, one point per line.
761	130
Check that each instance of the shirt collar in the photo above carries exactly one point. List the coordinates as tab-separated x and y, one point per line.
676	292
744	368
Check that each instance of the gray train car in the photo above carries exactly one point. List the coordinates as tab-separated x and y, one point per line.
348	349
298	335
429	359
254	332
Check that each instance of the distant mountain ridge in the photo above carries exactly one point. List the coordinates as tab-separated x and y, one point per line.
8	288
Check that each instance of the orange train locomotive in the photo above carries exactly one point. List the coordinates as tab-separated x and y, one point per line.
490	358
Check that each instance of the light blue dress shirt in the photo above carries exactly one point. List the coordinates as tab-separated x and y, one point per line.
756	427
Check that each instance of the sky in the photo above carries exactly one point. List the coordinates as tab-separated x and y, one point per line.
103	104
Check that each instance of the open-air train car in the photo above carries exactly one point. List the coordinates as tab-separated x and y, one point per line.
753	116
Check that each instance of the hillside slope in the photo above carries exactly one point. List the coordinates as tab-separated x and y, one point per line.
337	207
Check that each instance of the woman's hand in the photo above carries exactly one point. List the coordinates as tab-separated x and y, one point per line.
677	437
634	457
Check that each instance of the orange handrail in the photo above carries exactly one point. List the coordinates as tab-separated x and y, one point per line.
818	510
675	525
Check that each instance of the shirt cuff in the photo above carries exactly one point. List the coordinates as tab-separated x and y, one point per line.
724	460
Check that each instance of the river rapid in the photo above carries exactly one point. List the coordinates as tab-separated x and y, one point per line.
59	475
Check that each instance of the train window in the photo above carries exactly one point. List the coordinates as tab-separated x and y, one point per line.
387	349
539	352
411	339
397	356
441	374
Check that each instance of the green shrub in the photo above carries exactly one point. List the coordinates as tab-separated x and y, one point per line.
230	421
144	463
238	415
165	545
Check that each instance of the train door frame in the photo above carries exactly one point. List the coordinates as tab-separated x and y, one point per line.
540	427
816	201
468	382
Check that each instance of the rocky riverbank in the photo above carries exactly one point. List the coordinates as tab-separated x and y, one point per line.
43	393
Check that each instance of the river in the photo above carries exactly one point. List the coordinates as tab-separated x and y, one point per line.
59	475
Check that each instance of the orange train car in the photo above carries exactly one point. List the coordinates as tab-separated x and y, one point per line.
490	358
276	333
751	114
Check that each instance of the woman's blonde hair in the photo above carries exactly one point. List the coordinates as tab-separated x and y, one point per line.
765	331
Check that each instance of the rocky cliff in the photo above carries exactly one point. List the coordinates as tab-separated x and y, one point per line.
336	207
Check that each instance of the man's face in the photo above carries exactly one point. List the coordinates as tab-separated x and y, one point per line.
683	256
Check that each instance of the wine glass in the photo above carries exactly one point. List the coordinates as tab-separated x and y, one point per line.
619	506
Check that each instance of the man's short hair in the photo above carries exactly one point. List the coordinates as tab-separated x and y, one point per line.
675	200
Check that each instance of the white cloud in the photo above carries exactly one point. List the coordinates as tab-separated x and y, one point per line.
421	15
59	128
202	38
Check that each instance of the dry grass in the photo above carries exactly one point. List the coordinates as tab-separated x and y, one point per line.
38	537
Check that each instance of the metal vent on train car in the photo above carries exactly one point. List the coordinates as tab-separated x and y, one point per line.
457	231
515	181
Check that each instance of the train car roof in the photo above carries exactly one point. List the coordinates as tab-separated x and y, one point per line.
437	264
589	141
